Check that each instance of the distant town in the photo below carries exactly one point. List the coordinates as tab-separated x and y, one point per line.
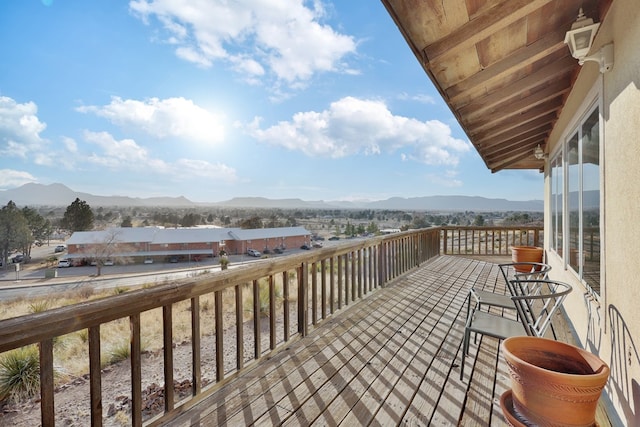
26	226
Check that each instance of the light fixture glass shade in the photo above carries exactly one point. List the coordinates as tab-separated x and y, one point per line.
580	37
538	153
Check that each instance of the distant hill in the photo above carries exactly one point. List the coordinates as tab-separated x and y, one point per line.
61	195
459	203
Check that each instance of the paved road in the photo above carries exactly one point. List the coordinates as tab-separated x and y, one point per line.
30	287
31	282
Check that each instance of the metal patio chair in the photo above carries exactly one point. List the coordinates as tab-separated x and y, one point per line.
532	270
535	301
478	298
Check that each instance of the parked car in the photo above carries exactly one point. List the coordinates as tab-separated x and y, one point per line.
334	238
18	258
108	262
64	263
278	250
305	247
253	252
173	259
60	248
148	260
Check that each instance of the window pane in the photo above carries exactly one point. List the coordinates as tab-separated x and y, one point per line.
557	187
573	202
591	201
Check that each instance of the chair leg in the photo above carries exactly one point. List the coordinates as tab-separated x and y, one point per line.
462	356
465	350
475	336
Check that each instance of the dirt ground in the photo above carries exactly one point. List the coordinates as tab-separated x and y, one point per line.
72	399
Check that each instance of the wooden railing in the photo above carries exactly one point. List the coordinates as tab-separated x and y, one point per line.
492	241
302	290
295	292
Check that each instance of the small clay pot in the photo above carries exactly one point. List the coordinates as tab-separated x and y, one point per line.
554	383
526	254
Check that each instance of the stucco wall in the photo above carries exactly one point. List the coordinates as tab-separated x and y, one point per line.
610	326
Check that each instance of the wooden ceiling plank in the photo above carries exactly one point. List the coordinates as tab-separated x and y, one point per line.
482	27
513	126
522	131
503	164
496	147
554	71
519	60
514	144
521	145
547	113
509	109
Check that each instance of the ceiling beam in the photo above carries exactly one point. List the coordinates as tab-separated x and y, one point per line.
494	19
518	60
509	109
549	109
510	161
521	130
521	145
548	73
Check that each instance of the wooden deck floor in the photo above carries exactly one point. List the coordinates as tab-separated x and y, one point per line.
391	359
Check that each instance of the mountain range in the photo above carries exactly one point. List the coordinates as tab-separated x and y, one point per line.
60	195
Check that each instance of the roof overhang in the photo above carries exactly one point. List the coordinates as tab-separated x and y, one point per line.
501	66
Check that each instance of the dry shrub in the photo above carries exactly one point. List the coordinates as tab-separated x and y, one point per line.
20	373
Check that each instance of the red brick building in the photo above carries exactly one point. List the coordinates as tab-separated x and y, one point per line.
161	244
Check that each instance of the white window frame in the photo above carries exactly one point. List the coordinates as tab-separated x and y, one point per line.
594	99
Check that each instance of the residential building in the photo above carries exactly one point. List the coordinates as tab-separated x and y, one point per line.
158	243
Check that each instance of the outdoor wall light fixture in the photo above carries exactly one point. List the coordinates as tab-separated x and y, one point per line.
580	40
538	153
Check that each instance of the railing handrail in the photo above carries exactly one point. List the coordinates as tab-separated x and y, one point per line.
32	328
352	269
488	240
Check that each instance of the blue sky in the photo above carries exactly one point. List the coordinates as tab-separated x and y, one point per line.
215	99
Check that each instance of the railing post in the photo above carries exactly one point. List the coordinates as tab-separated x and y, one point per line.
285	296
381	264
340	281
257	328
136	371
196	369
95	376
303	282
444	239
167	333
219	336
47	412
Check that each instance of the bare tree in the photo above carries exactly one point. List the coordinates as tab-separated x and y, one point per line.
108	249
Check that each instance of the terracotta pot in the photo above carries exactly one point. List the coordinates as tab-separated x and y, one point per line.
525	254
554	383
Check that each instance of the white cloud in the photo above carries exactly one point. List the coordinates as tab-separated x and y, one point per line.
420	97
70	144
283	36
448	179
163	118
10	178
355	126
20	128
127	155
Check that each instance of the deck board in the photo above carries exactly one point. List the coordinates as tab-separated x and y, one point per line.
390	359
